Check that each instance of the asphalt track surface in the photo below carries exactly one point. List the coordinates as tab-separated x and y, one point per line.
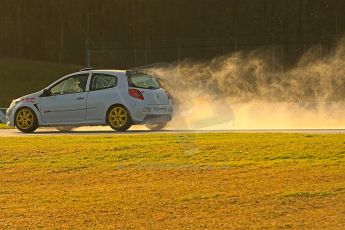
108	131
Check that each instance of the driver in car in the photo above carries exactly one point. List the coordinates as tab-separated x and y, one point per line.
80	85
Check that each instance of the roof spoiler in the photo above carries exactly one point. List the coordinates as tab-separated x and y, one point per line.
148	68
152	66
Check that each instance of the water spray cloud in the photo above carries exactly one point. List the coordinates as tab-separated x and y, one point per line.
248	91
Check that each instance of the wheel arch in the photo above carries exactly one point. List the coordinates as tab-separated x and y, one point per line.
29	106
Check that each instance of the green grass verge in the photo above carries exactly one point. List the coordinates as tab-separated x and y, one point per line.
4	126
165	150
20	77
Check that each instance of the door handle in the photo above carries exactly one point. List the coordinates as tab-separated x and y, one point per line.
80	98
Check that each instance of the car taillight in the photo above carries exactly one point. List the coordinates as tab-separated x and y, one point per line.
168	95
136	94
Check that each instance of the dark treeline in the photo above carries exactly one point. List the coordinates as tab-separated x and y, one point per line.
64	30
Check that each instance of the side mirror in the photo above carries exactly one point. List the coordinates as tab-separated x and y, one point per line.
46	93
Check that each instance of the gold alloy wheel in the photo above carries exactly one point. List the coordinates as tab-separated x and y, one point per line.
118	116
24	119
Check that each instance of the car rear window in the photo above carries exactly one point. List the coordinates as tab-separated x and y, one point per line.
143	80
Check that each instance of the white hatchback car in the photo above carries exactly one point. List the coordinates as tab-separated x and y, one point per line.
94	97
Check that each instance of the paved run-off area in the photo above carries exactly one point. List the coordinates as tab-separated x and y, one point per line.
180	180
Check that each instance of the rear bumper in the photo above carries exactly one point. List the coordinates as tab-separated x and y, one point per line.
152	114
156	119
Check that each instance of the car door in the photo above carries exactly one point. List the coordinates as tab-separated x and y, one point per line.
102	93
66	101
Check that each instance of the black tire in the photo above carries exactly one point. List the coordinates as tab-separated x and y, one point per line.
156	127
119	118
26	120
64	128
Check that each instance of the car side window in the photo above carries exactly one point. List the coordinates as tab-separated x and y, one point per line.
74	84
102	81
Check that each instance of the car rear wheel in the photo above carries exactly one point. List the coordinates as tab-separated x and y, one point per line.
64	128
119	118
156	126
26	120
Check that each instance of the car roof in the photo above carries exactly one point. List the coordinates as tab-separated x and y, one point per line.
119	73
108	71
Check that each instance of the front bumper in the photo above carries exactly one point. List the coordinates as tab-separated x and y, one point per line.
10	117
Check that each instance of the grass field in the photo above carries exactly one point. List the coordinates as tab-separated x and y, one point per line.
20	77
4	126
169	181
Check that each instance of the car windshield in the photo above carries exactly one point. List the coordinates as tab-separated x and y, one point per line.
142	80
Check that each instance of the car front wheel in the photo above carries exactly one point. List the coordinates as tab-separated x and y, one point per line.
119	118
26	120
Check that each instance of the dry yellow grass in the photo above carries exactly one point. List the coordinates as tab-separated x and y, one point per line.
173	181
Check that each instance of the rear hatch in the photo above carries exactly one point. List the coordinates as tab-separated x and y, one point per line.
149	87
